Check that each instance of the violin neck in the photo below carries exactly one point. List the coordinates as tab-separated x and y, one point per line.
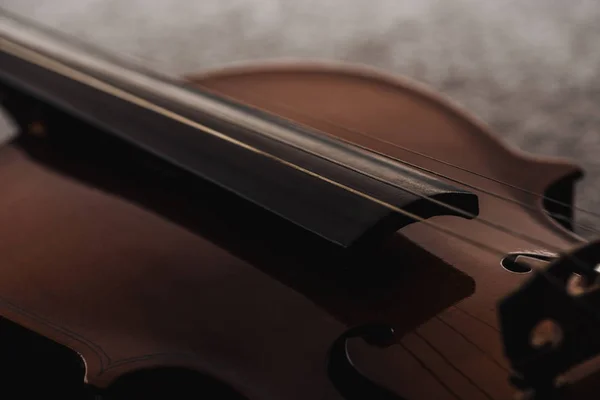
334	189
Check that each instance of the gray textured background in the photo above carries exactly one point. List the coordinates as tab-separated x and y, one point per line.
530	69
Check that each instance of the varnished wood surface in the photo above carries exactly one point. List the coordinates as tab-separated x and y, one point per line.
128	288
461	344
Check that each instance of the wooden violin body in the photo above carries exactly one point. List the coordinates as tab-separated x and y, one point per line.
281	231
136	267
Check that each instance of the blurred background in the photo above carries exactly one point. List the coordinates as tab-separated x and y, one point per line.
530	69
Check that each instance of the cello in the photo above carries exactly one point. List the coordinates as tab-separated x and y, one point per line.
277	231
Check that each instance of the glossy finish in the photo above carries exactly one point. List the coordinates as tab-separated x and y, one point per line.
326	186
115	278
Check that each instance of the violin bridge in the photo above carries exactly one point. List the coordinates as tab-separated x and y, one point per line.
551	324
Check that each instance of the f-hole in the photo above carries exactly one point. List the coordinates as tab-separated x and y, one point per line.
523	263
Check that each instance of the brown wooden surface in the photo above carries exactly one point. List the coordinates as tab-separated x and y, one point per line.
128	289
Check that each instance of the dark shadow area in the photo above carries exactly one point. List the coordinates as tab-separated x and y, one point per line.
396	281
34	367
168	383
367	284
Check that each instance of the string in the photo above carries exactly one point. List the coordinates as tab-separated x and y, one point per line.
454	166
416	166
459	211
550	278
545	198
135	63
161	75
501	228
71	73
448	206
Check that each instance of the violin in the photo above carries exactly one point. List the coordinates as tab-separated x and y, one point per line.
278	231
